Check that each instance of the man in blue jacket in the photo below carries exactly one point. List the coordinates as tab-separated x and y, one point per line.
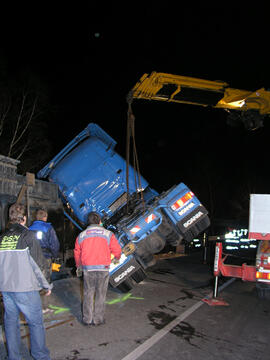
21	279
47	238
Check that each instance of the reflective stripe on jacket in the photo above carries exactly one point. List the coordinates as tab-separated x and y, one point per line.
94	246
21	261
47	238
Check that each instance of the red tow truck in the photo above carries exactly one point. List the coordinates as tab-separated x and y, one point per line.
259	229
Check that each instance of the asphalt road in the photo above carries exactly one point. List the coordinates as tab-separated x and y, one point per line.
163	317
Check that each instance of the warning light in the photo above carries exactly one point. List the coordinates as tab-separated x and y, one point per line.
262	275
180	202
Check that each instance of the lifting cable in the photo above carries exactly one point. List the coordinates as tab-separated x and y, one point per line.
131	134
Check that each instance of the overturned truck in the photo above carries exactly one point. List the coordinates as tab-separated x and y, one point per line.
31	192
92	176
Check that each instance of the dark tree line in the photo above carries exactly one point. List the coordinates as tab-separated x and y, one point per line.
24	112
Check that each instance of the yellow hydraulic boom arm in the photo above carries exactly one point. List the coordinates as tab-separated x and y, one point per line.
218	94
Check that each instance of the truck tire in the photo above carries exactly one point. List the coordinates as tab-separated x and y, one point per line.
151	261
168	231
125	286
263	291
145	258
139	276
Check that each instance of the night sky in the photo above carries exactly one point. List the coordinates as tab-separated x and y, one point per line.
89	56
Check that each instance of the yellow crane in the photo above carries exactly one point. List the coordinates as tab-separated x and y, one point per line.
251	106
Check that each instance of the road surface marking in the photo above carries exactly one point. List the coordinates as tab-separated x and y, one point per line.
136	353
123	298
58	309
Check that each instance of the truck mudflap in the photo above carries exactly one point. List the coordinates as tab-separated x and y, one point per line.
185	212
194	224
123	270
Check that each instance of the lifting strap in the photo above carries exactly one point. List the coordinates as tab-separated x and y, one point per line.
131	134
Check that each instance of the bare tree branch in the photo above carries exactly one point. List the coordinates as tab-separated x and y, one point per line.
27	123
23	150
22	124
17	126
24	110
4	112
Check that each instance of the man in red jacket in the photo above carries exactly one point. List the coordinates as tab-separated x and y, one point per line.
92	253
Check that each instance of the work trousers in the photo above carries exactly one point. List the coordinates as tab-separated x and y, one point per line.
95	290
30	305
47	271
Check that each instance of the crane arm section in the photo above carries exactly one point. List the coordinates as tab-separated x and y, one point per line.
189	90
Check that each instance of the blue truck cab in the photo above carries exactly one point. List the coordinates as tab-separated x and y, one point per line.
92	176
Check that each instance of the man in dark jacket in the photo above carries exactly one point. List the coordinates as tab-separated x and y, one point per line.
21	279
47	238
92	253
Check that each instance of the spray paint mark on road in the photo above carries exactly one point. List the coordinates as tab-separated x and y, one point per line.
123	298
58	309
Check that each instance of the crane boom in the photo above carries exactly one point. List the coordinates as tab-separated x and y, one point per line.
189	90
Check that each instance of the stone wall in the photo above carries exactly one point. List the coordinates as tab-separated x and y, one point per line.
38	193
